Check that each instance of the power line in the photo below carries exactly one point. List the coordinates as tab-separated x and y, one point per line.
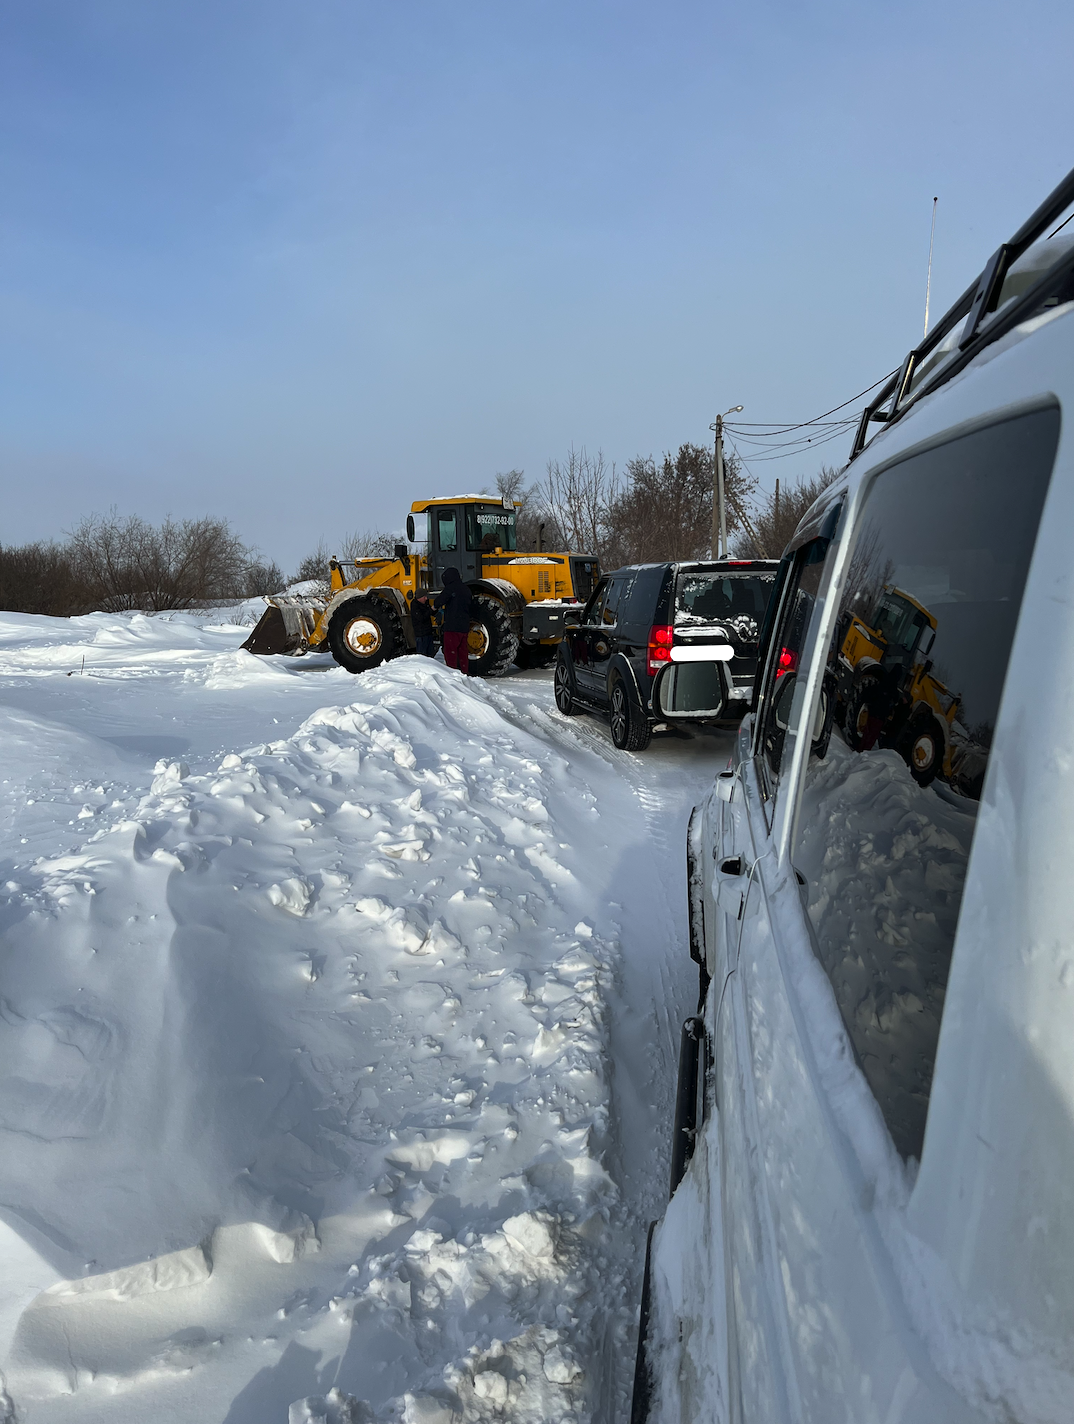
830	429
773	428
797	450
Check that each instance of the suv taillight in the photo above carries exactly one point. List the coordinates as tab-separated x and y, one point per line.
660	640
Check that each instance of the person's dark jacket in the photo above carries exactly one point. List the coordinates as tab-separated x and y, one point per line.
421	616
455	602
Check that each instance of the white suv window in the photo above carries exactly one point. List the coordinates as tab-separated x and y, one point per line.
912	688
780	709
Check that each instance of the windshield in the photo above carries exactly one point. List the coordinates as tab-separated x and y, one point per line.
898	621
489	527
736	602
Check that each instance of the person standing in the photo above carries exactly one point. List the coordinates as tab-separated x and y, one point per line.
454	601
421	616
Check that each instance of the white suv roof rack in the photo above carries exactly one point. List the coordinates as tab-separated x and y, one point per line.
1022	278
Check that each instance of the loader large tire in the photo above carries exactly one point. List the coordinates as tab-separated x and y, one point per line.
362	634
493	642
922	748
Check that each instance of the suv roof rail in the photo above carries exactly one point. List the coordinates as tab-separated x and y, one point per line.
947	349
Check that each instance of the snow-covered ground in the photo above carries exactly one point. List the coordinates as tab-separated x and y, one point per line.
338	1025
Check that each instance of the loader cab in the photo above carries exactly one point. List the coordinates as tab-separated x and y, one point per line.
462	530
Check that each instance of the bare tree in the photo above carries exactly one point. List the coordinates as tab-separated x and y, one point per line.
360	544
665	510
574	500
530	531
124	563
774	518
367	544
314	565
41	578
260	577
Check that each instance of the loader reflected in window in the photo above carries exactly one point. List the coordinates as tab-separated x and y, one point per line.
911	692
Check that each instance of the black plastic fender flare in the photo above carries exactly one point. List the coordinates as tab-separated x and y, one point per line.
618	664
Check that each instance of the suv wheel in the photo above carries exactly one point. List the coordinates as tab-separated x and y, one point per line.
563	691
630	727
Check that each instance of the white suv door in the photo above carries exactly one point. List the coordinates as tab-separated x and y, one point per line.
828	987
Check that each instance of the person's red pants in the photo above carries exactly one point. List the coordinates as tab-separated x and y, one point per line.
456	654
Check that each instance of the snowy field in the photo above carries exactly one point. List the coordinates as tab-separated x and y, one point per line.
338	1027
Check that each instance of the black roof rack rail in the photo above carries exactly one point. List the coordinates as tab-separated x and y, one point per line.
976	310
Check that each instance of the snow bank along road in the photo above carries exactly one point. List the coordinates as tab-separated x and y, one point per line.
335	1071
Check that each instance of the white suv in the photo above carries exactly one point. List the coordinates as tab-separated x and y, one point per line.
876	1221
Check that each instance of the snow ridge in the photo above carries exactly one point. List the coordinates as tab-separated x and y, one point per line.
322	1044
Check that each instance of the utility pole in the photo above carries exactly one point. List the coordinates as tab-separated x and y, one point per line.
719	501
719	506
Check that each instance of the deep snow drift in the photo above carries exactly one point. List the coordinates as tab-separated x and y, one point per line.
311	1100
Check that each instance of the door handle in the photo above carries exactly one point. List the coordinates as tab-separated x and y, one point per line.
727	883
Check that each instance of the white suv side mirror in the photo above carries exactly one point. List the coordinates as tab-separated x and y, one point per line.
725	785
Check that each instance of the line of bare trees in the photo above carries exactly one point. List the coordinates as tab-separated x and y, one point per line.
653	510
118	563
650	511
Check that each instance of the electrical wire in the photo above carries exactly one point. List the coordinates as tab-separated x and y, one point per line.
800	449
830	430
773	428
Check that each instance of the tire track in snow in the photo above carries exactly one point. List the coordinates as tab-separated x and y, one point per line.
656	989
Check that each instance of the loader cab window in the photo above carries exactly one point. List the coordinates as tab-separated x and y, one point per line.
899	620
489	527
447	530
912	681
584	576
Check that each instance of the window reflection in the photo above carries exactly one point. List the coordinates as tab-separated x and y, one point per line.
783	691
912	687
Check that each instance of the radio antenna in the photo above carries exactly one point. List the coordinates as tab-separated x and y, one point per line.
928	279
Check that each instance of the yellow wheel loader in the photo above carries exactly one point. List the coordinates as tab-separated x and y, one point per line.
886	687
521	601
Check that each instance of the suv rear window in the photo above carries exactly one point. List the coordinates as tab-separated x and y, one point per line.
901	739
736	602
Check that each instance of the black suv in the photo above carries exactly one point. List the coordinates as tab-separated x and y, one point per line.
673	642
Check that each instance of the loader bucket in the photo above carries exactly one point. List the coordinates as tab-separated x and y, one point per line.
286	625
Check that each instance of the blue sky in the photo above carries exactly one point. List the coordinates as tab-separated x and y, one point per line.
300	263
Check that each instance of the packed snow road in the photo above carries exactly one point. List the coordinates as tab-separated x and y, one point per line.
338	1024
